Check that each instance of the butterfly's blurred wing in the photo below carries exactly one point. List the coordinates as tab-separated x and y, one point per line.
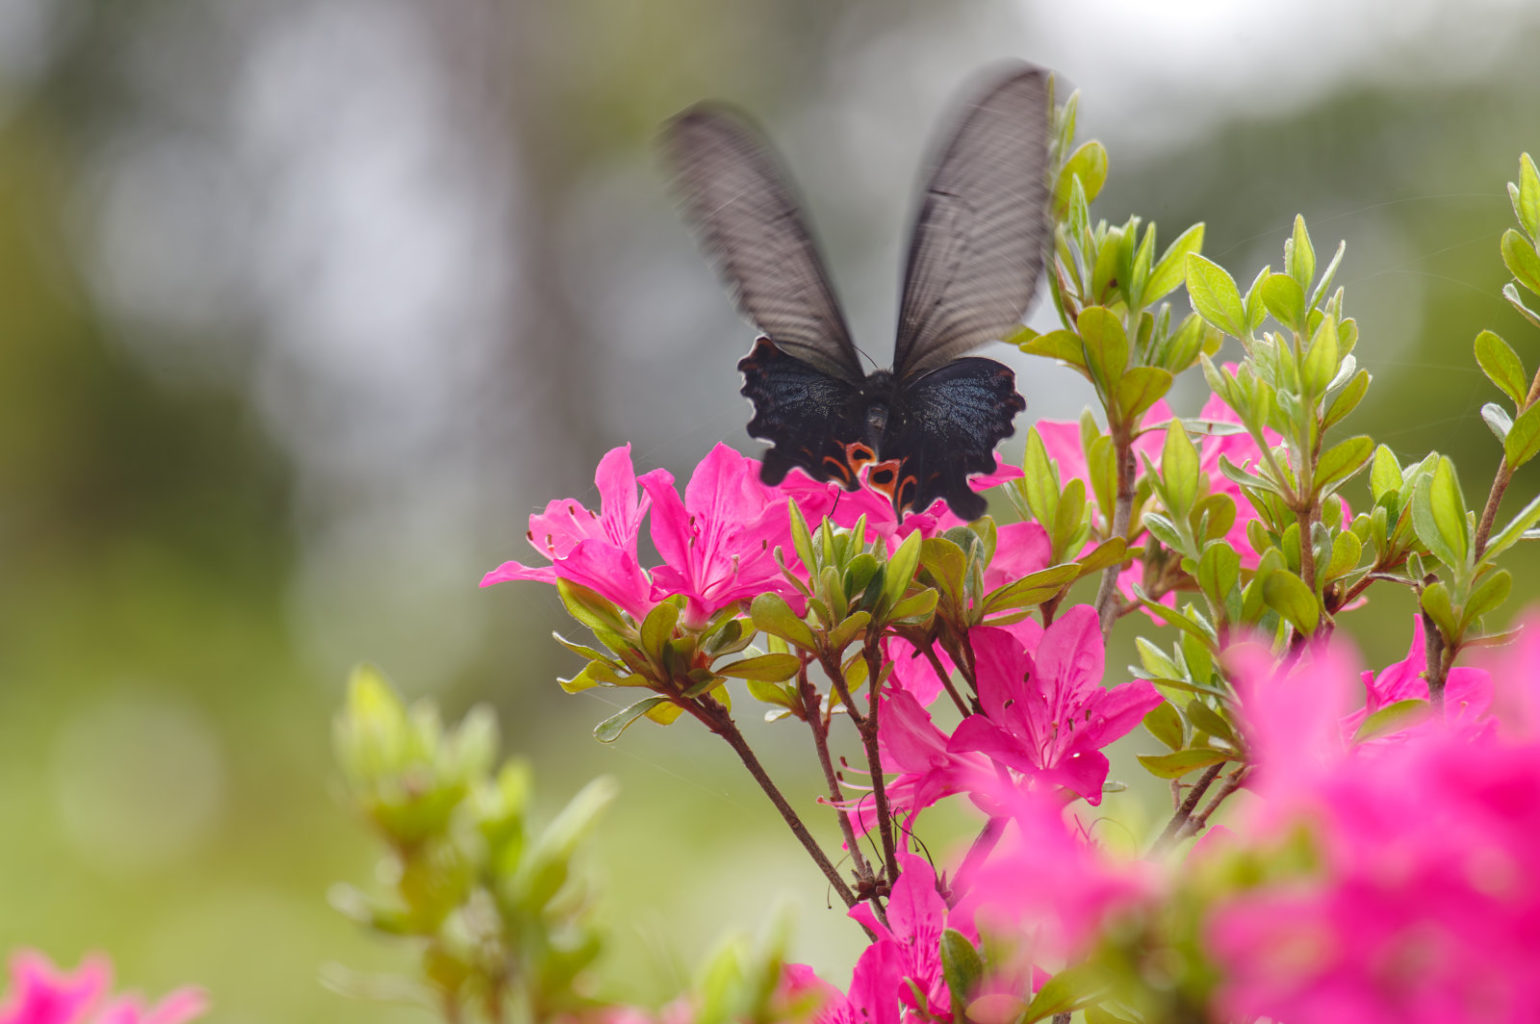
750	224
983	227
811	419
943	428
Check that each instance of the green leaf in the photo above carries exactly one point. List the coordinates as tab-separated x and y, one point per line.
1511	534
609	730
1511	293
1219	571
1179	763
658	627
1438	515
1165	724
961	967
1089	164
1285	300
1289	596
1522	260
1321	358
1140	388
595	612
1502	366
1489	594
1106	344
767	668
945	563
915	606
771	614
1346	400
1299	255
901	566
1038	484
1391	718
596	673
802	539
1107	554
1346	550
1523	441
852	626
1062	345
1435	601
1526	196
1067	991
1179	470
1032	589
1341	462
1171	269
1215	296
1165	531
1206	719
1385	476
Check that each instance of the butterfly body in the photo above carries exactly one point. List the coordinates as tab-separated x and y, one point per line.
977	248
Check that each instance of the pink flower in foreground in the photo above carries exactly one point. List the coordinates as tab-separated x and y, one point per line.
1045	881
718	544
820	499
41	994
1046	714
1423	901
596	550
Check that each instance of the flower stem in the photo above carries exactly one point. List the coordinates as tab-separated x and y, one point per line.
946	678
1122	511
715	717
1494	498
874	758
815	721
1174	828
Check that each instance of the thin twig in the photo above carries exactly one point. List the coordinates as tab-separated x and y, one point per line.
1231	783
1122	512
715	717
874	758
1500	484
1433	646
1173	829
815	721
946	678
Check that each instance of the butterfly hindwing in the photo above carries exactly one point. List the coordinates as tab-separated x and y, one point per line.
944	427
809	417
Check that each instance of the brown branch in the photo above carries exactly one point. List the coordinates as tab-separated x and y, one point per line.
1494	498
1122	512
815	720
715	717
874	758
1178	822
946	679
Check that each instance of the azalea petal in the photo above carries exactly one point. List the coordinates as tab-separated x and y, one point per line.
670	524
623	509
519	571
1071	654
978	733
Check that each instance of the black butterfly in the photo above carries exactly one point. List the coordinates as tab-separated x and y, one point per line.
978	246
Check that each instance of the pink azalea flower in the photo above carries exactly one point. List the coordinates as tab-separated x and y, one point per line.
917	915
874	988
1423	903
1046	714
718	544
596	550
41	994
1045	881
911	746
1467	691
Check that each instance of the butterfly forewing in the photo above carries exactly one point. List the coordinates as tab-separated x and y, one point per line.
752	227
982	229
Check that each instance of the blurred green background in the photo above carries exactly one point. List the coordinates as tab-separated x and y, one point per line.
305	305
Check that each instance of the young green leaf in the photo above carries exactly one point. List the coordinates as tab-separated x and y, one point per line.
1288	595
1526	197
1285	300
609	730
1299	255
1522	260
1341	462
1165	724
1106	344
1179	763
1215	296
1523	441
1171	269
1502	365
